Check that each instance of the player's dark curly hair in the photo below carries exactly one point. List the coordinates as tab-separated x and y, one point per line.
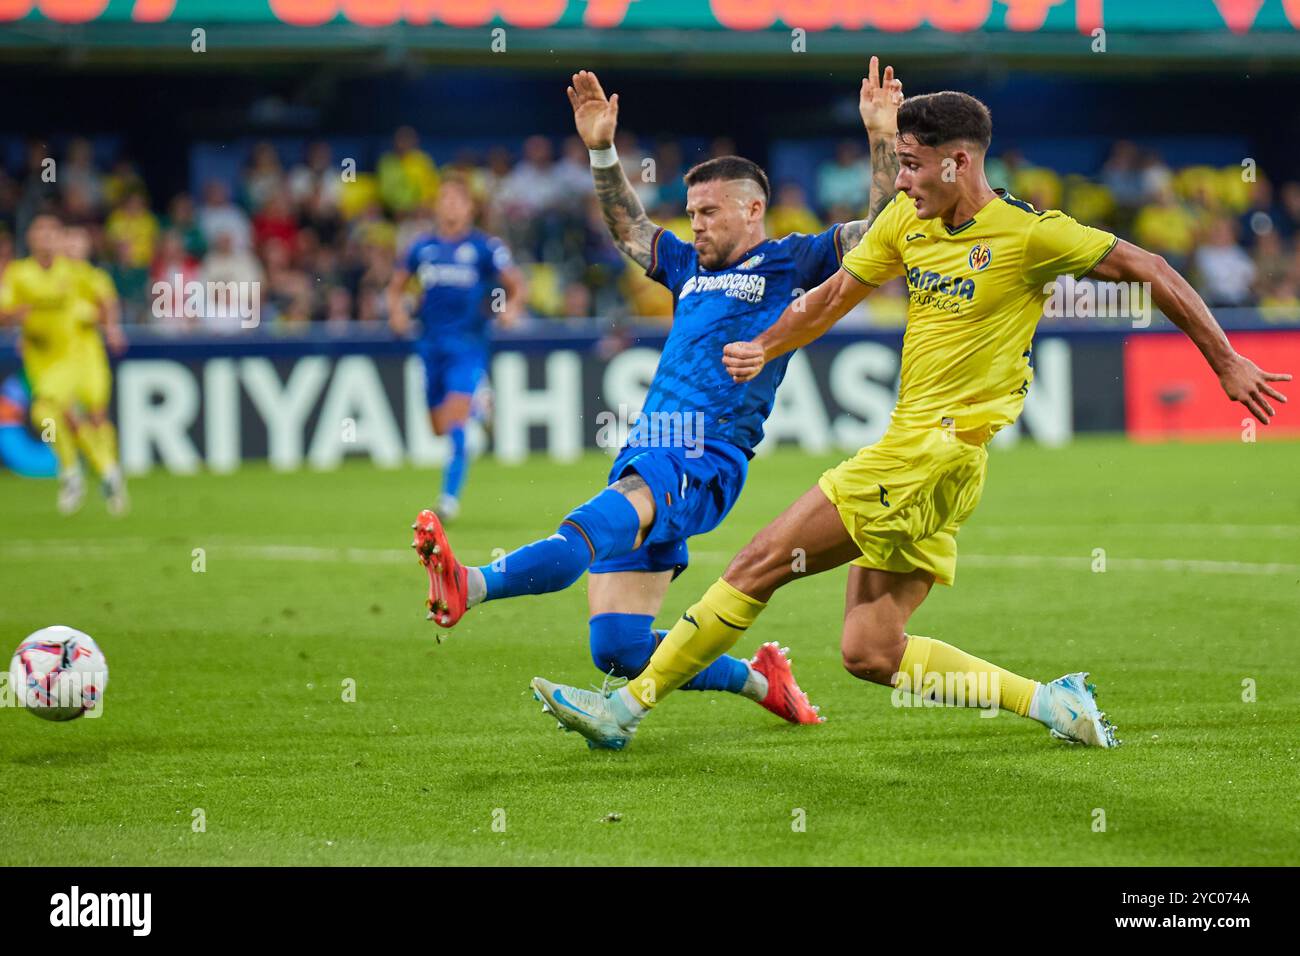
937	118
730	167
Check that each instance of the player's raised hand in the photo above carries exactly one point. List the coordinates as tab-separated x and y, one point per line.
743	360
595	115
1246	382
880	98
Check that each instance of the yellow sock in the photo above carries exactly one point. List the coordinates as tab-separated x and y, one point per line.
103	441
705	632
54	428
91	444
939	671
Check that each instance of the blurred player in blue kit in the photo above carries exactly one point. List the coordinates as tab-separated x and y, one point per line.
464	277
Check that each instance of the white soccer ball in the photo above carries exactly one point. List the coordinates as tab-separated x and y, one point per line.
59	673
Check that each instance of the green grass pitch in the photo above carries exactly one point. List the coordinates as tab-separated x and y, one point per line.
227	687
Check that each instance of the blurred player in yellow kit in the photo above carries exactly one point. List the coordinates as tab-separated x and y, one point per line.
54	298
96	312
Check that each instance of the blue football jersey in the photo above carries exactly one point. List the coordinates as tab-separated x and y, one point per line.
733	304
456	278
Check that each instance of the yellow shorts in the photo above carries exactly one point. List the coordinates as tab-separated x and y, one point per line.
51	374
94	379
903	498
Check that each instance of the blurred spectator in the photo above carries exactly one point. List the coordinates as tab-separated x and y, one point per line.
668	165
183	220
372	304
1122	175
846	180
263	177
790	213
79	176
1263	214
287	295
407	175
338	309
573	174
135	227
1226	272
7	249
173	260
1281	303
173	266
275	220
640	169
1155	176
1167	227
1289	219
79	209
228	262
316	188
1271	260
219	216
528	199
37	191
123	178
131	279
721	146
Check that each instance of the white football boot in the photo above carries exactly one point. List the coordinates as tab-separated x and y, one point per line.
72	490
1070	709
598	716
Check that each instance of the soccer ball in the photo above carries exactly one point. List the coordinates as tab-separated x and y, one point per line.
59	673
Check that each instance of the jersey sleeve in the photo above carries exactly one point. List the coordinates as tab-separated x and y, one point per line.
672	261
410	262
817	257
498	258
1058	245
102	286
876	258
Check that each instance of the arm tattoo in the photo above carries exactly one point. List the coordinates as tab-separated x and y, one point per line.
631	228
884	171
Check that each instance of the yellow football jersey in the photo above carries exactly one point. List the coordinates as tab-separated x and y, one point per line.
975	294
52	295
94	287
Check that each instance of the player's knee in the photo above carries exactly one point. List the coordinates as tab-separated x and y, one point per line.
621	643
608	523
873	653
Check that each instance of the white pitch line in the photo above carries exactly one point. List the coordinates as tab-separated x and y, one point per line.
109	549
1222	530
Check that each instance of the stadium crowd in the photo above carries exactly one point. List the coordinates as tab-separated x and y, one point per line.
322	240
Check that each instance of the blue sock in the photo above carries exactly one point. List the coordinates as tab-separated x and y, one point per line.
604	527
453	475
623	643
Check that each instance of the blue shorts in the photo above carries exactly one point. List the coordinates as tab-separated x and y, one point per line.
692	496
452	370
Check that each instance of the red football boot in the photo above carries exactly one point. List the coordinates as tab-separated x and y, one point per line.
447	577
784	698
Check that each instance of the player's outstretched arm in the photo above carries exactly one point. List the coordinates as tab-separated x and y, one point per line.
878	102
399	319
596	117
805	319
1242	379
110	320
516	288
